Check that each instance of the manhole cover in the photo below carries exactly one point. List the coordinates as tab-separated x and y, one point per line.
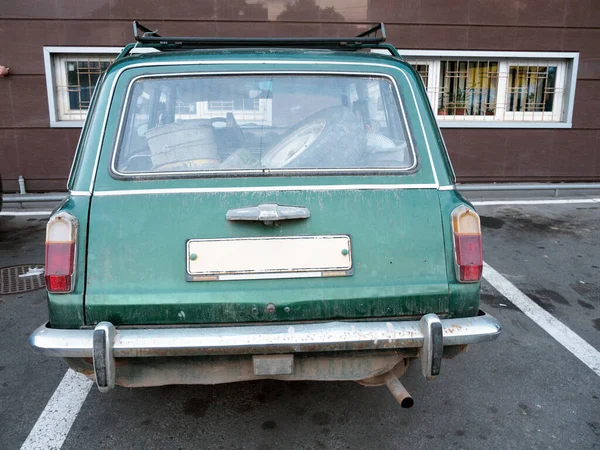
16	279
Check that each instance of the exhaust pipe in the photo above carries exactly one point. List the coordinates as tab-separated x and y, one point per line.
398	391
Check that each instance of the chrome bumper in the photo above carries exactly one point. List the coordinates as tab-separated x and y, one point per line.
106	342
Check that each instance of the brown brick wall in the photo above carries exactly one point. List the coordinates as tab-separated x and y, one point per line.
43	155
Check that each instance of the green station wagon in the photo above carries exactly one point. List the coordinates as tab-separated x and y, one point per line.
242	209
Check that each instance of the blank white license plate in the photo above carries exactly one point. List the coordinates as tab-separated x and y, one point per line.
273	257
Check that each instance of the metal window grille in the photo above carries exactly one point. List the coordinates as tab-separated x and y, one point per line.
423	70
502	90
468	88
75	79
535	91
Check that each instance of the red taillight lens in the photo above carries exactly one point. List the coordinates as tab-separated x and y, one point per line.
467	244
61	239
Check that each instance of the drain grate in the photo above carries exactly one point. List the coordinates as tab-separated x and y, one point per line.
17	279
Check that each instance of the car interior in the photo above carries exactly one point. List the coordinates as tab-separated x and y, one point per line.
262	124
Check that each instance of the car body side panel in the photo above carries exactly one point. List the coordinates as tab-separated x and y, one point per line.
66	310
464	297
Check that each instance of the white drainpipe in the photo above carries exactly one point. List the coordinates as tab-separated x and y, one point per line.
22	185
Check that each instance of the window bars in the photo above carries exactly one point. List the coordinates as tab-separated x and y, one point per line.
75	79
494	90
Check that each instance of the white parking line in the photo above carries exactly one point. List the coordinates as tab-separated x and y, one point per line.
53	425
25	213
558	201
554	327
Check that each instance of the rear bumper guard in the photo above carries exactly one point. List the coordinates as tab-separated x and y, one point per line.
106	342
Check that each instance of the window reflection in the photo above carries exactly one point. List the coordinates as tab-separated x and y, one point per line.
315	10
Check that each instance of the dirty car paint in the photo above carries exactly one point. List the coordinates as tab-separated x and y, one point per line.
135	274
137	264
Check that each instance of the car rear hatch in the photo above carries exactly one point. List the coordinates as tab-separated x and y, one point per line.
137	266
250	227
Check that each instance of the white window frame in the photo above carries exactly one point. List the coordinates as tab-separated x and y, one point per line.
53	73
556	115
263	113
561	116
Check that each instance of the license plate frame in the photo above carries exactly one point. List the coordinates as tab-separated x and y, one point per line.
228	259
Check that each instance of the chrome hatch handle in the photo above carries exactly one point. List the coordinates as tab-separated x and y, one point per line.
268	213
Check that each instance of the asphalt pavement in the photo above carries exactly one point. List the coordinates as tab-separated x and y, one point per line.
524	390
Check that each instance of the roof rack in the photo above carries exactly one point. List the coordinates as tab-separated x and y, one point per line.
372	38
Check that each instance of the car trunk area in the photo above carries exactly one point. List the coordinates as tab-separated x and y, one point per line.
138	258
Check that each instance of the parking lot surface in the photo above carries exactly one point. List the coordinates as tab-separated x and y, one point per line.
524	390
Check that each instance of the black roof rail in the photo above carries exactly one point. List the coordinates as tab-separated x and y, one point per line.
372	32
371	38
137	27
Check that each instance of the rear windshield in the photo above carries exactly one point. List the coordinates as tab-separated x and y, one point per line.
263	124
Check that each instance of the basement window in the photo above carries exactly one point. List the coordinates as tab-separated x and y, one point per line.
71	77
498	89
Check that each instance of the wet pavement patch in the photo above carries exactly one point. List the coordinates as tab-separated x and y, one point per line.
589	291
534	224
497	301
22	278
490	297
595	426
196	407
528	222
270	391
586	305
321	418
269	425
491	222
15	237
547	298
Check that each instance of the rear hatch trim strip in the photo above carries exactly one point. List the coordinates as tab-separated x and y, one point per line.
340	187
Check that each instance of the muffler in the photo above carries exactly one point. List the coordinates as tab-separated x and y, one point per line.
398	391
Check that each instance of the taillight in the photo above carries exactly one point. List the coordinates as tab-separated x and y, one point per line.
61	241
467	244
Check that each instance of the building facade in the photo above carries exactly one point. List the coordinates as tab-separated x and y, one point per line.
515	84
